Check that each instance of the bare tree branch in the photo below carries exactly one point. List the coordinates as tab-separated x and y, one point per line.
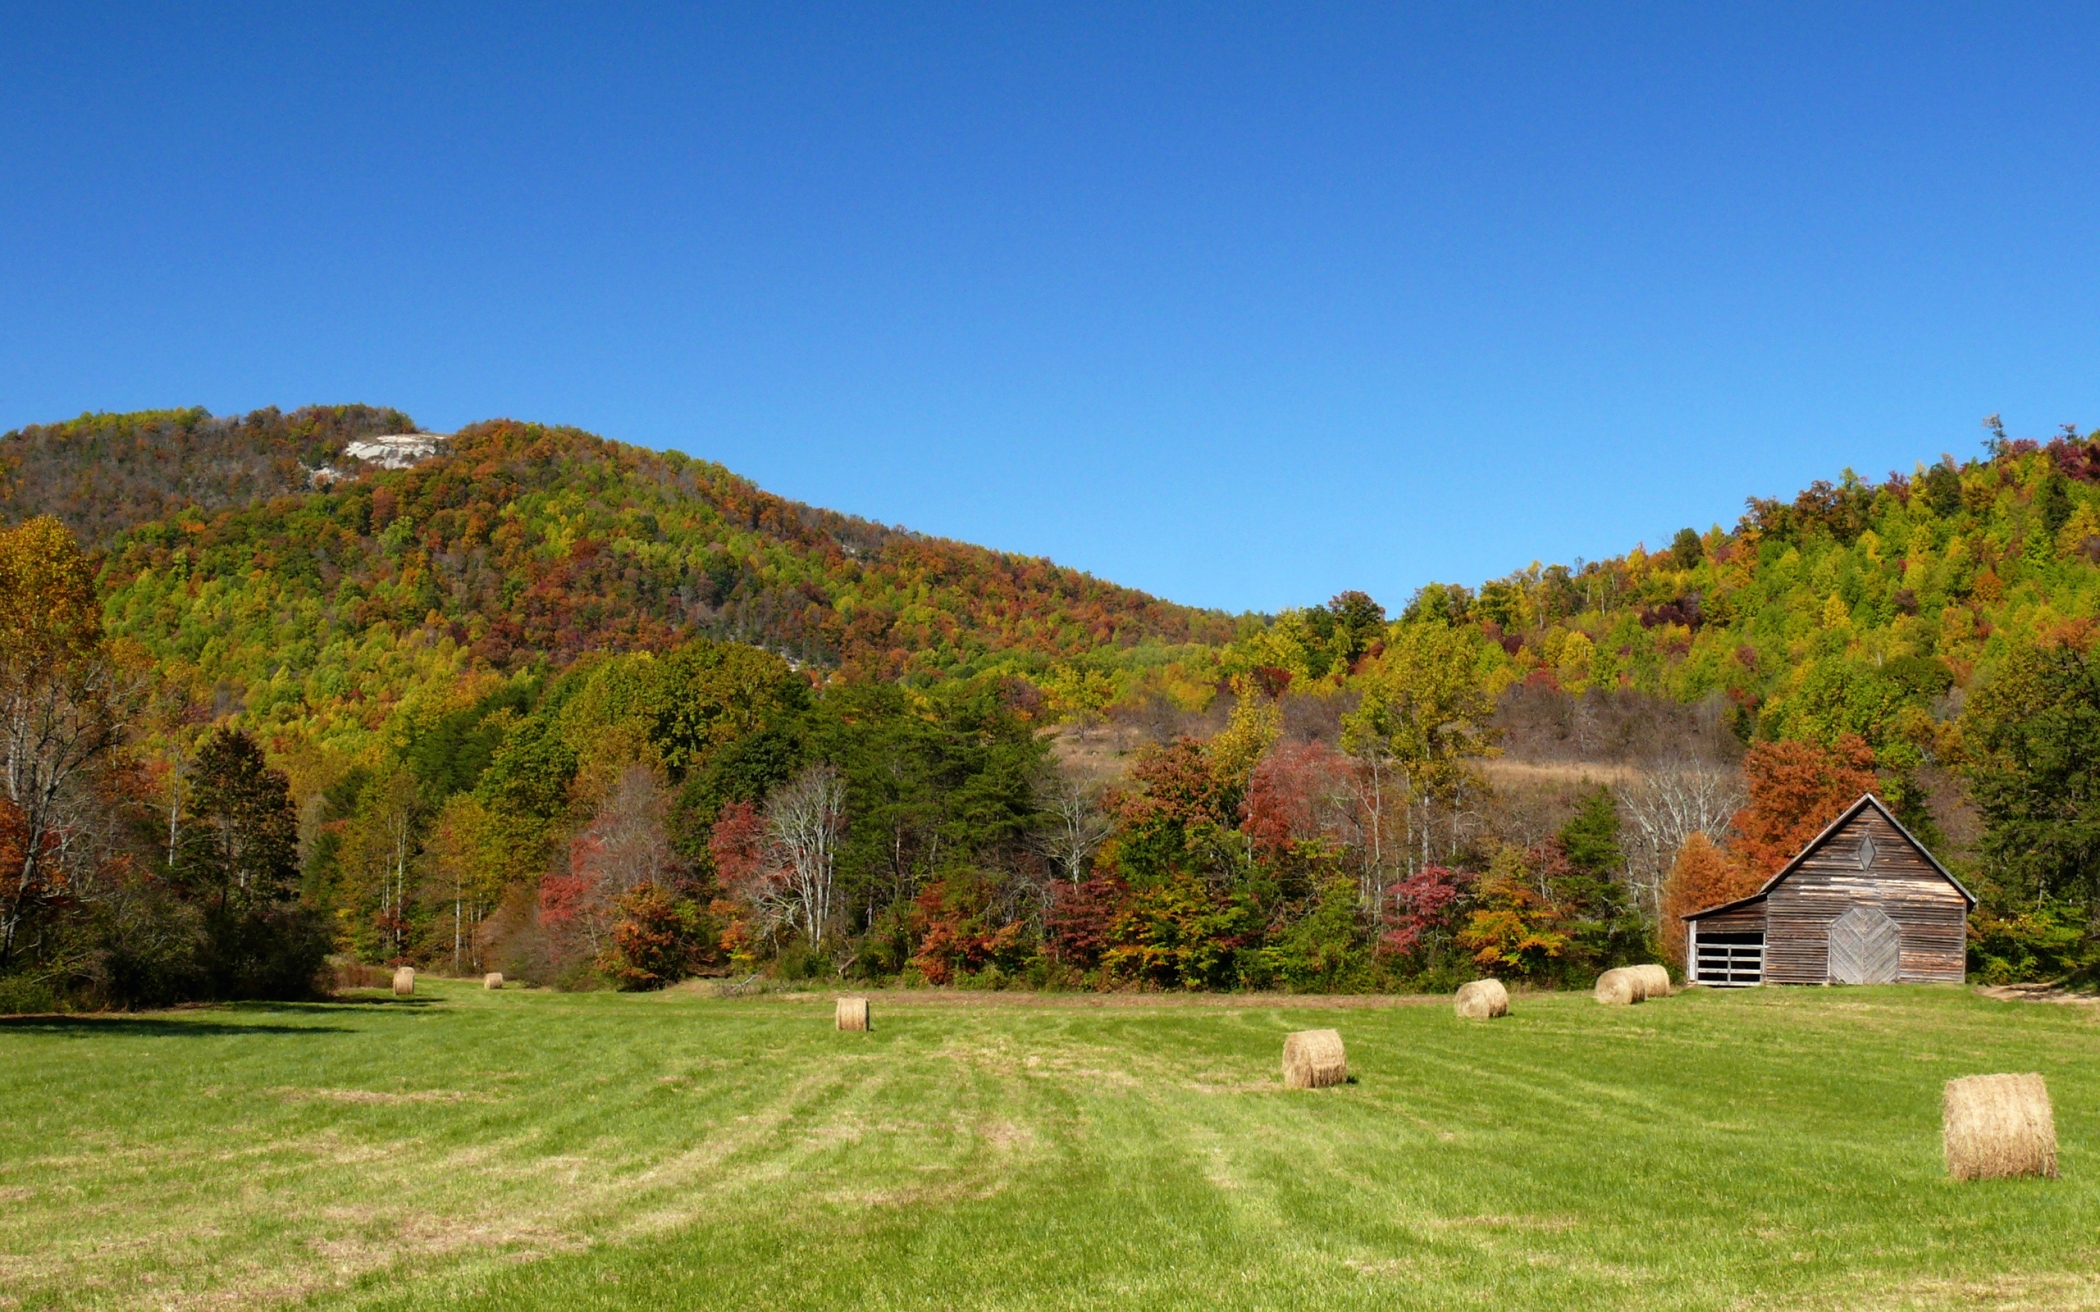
1673	799
805	819
1074	825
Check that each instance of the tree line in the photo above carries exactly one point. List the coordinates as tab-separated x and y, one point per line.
477	699
639	818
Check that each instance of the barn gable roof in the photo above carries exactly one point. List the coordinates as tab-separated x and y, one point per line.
1865	800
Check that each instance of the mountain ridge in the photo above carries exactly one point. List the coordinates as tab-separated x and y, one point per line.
522	543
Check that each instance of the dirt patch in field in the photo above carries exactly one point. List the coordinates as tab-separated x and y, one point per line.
1551	1224
375	1096
453	1234
376	1243
1215	1083
2040	993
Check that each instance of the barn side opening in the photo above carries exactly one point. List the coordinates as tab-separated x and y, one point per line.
1729	960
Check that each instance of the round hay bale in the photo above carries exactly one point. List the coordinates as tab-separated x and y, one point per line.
1483	999
1620	988
1997	1126
1655	980
492	980
853	1015
1313	1059
404	981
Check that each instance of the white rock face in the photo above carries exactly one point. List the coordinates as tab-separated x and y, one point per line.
396	450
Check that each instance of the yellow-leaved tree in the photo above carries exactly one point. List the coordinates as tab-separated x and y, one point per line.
1422	723
63	702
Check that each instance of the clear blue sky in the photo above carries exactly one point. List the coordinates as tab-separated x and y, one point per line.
1242	307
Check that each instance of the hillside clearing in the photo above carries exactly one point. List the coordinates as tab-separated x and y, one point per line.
1761	1149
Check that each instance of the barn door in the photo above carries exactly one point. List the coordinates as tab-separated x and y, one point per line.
1865	948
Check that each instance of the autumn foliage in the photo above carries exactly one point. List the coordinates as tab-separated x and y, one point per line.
1420	905
554	689
1512	927
1297	793
1702	876
657	938
1796	790
960	931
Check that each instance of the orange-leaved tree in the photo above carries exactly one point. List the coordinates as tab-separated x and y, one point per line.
1512	928
1796	789
1703	875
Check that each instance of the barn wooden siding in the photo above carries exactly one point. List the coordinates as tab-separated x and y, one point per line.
1741	920
1931	913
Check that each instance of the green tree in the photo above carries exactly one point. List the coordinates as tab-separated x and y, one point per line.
380	848
936	781
1940	489
2054	503
1590	838
2033	736
710	694
1588	883
239	850
1359	622
239	858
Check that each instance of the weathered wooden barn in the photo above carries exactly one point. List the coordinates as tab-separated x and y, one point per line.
1863	903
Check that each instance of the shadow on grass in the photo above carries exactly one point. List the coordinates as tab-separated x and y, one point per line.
150	1026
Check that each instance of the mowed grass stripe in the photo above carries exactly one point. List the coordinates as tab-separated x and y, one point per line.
1777	1148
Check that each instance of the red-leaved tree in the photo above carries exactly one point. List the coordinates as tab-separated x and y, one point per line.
1300	792
1419	909
624	847
1171	786
1078	921
737	844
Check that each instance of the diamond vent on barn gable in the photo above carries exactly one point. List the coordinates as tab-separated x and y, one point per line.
1866	852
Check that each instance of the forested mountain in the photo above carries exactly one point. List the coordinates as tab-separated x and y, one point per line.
587	713
518	544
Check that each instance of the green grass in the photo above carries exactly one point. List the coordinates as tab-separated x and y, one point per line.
1774	1148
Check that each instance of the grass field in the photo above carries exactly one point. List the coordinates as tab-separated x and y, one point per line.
1772	1148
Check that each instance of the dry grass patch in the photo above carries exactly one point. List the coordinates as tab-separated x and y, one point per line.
381	1098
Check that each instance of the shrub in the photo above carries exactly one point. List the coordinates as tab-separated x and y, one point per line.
1177	934
280	954
1327	950
23	994
2047	943
959	934
579	976
657	939
799	961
